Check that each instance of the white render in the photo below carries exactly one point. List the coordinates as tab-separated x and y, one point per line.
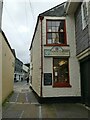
0	69
35	66
74	70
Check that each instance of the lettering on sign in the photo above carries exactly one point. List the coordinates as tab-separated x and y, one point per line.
57	52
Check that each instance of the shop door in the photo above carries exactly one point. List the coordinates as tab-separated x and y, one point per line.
85	76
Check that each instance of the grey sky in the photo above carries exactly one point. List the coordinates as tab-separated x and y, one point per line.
19	20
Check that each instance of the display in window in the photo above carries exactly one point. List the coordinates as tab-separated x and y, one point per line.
56	32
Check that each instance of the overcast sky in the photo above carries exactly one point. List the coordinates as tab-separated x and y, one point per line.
19	20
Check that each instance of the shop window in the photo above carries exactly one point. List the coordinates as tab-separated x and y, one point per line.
60	72
56	32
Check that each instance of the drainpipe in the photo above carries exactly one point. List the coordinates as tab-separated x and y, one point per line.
41	18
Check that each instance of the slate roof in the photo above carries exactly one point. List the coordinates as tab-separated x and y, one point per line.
57	11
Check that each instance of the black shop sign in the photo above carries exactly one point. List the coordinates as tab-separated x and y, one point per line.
47	78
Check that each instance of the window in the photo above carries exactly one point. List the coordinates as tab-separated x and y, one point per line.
84	9
61	72
56	32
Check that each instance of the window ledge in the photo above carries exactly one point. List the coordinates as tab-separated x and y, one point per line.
62	84
56	45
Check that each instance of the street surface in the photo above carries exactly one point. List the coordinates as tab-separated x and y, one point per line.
23	104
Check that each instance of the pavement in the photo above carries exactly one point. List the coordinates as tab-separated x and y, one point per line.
23	104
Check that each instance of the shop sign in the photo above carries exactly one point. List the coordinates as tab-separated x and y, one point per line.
56	51
47	78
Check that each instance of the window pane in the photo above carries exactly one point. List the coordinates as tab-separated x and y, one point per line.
57	23
57	29
53	23
49	41
62	24
61	27
49	35
53	29
56	38
60	70
49	29
61	38
53	37
49	23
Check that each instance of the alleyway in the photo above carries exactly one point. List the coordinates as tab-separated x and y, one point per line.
23	104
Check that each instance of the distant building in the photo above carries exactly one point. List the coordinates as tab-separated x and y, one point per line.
80	13
18	73
7	64
25	71
54	67
27	64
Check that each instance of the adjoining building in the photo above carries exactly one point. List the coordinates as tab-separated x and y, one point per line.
7	63
54	67
1	6
80	13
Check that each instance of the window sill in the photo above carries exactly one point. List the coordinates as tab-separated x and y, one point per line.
56	45
61	84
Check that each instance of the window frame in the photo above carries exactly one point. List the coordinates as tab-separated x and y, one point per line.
84	22
61	84
65	38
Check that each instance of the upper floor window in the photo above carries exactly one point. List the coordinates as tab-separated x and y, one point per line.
84	10
56	32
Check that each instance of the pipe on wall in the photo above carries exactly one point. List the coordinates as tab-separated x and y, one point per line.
41	18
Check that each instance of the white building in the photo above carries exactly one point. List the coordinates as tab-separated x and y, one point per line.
25	71
54	68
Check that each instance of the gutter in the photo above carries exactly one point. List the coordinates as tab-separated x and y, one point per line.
71	6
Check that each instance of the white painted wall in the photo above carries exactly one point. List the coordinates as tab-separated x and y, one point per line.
0	69
36	61
8	63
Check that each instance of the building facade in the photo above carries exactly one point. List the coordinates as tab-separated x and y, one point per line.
18	73
25	71
7	68
54	67
81	14
0	56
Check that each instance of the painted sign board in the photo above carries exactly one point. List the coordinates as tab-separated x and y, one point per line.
57	52
47	78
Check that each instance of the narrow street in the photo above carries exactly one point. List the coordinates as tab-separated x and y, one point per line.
23	104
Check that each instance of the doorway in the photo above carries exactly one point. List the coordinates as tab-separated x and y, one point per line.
85	80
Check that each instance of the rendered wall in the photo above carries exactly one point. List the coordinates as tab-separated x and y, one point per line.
7	70
0	68
36	61
74	73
